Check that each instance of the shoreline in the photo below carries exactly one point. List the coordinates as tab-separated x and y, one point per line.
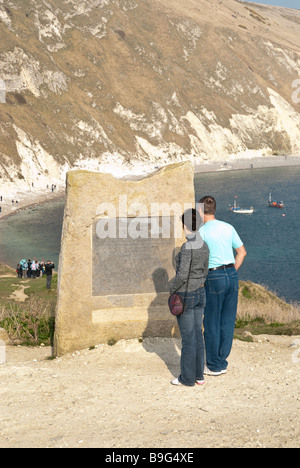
38	197
262	162
27	200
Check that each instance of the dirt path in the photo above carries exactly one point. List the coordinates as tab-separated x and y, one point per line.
19	294
121	396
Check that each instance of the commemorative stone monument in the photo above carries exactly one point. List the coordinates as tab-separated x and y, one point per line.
117	255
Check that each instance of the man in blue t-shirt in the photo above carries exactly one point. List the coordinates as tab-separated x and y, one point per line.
221	286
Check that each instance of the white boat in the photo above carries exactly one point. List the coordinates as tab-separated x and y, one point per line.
243	211
237	209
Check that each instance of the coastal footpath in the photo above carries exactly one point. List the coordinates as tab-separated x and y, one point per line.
120	396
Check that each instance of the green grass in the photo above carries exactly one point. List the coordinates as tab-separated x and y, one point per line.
33	287
261	312
30	322
259	326
7	287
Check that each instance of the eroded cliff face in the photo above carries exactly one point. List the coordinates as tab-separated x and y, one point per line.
126	85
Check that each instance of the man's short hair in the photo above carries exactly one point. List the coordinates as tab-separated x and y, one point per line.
210	205
191	219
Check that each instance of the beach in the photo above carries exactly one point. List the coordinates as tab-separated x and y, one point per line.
38	196
24	200
262	162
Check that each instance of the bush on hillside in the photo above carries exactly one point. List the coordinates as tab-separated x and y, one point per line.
29	323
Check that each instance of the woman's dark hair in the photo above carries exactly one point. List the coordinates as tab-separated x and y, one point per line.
191	219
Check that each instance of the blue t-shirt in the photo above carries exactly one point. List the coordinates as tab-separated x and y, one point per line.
221	239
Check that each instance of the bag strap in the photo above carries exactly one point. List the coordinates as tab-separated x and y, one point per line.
188	278
187	282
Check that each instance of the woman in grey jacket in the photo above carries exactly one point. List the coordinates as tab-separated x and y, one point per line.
191	272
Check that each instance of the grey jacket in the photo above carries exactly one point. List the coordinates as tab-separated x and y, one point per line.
192	257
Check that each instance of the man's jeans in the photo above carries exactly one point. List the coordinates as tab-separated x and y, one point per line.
219	317
190	325
49	279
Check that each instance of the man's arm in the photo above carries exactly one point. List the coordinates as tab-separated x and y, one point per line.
240	256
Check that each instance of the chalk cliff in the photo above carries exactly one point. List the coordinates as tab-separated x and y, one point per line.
127	85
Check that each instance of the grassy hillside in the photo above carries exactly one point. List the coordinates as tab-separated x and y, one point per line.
261	311
27	308
29	317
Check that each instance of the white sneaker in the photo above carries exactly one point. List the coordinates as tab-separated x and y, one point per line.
209	372
200	382
176	382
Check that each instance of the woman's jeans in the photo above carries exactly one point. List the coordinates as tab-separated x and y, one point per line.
219	317
190	325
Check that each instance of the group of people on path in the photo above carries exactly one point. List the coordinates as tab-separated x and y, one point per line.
207	279
34	269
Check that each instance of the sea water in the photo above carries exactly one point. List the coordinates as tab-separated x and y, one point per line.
34	232
270	235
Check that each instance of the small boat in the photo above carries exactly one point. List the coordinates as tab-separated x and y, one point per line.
274	203
237	209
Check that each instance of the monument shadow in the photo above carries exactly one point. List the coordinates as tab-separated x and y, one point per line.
167	349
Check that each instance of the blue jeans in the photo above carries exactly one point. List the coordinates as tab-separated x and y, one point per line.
219	317
190	325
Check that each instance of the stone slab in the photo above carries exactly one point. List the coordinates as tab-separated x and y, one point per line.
118	245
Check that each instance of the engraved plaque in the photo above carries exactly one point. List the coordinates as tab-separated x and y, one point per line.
132	255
